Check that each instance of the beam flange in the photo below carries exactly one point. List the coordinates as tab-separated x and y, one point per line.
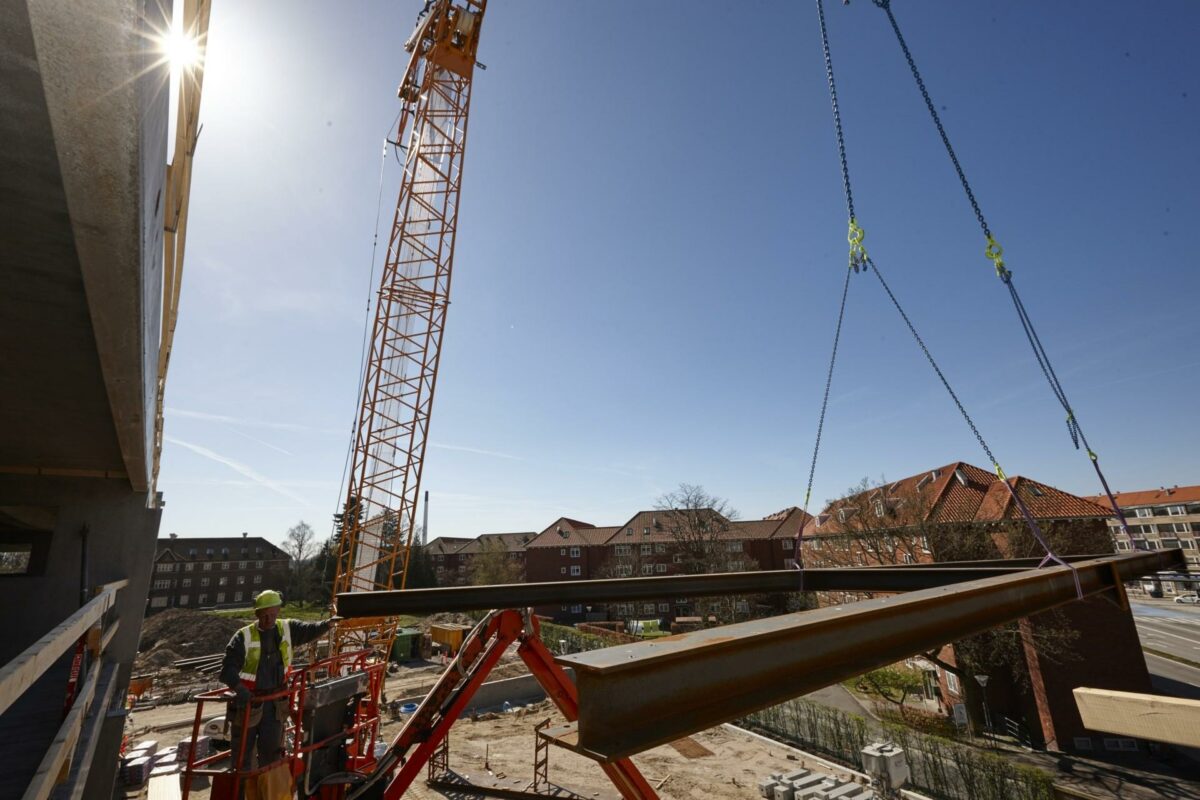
904	578
634	697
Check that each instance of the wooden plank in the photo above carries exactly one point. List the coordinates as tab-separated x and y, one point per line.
91	733
1143	716
109	634
19	674
164	787
46	777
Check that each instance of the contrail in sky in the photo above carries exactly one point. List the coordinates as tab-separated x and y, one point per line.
251	423
241	469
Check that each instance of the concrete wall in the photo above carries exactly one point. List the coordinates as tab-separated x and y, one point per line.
491	696
120	544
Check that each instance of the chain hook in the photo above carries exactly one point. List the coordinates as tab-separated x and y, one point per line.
858	253
995	254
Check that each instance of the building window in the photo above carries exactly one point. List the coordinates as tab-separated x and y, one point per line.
576	570
1142	512
577	609
220	597
162	584
258	551
191	552
1120	744
624	549
664	608
188	567
158	602
742	607
952	683
624	570
187	582
203	582
183	599
1083	742
647	549
660	567
258	564
733	547
677	558
225	565
879	508
245	550
242	564
1122	545
208	552
908	559
787	544
258	579
225	552
647	569
648	608
1176	511
222	581
736	566
574	552
237	597
208	566
622	608
660	547
162	568
1188	544
203	599
241	580
562	570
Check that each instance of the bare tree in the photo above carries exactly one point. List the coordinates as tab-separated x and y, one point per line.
493	564
301	545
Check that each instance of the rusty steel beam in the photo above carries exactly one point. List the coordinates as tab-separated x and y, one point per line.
612	590
637	696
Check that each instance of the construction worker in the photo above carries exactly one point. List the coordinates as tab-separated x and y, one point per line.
256	662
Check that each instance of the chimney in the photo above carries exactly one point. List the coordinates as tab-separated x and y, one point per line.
173	535
244	534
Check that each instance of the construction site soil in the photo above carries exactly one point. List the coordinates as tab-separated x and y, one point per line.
182	633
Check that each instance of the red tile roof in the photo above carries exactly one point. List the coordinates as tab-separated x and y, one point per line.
511	542
1161	496
957	492
565	531
446	544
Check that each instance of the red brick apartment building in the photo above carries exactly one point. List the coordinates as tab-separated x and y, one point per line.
215	571
443	558
1161	519
510	546
569	549
961	512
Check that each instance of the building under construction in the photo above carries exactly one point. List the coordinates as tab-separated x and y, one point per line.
94	229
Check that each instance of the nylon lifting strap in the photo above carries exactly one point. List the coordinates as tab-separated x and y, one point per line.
859	259
995	253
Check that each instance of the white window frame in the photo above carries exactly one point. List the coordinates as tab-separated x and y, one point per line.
575	552
647	569
576	570
1143	512
660	567
1176	511
647	549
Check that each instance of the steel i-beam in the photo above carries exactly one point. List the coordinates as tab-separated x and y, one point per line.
634	697
617	590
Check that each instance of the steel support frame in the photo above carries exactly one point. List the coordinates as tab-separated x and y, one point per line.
422	736
904	578
637	696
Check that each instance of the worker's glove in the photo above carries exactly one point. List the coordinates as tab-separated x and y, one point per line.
242	695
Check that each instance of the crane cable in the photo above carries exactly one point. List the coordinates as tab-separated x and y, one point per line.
859	259
995	253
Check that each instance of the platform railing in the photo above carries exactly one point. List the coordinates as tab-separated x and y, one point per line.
90	630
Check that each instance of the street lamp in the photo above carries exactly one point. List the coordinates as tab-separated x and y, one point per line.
987	715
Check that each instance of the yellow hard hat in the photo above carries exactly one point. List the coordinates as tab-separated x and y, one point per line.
267	598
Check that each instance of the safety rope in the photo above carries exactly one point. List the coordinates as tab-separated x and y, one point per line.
859	259
995	253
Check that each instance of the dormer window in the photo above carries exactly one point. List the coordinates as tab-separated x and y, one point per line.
1036	491
960	476
646	531
925	481
879	509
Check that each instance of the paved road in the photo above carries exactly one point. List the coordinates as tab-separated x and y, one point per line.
1173	630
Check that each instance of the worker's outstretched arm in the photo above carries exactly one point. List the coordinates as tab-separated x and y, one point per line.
305	632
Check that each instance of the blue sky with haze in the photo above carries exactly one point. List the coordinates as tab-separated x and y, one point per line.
652	244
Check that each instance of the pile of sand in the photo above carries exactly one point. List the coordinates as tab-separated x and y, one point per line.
183	633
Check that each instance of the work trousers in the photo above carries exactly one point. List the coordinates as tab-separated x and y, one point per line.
264	734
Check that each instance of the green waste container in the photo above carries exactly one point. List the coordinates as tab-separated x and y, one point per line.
404	647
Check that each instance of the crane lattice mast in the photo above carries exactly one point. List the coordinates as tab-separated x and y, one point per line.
378	516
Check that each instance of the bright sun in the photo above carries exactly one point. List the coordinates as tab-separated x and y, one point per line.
181	50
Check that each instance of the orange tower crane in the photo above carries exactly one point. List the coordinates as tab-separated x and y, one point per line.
377	523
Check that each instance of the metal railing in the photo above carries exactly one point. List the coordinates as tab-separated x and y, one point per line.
89	630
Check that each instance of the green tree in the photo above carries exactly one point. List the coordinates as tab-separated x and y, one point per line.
893	684
493	565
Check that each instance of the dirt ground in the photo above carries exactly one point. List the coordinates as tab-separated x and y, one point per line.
728	763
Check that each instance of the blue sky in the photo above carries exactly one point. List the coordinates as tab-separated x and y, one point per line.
652	245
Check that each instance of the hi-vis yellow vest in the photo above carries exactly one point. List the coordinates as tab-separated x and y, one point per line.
252	640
